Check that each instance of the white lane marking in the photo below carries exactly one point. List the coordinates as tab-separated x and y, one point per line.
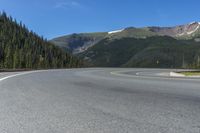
19	74
15	75
119	73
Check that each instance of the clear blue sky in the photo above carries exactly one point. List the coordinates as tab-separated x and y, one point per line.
52	18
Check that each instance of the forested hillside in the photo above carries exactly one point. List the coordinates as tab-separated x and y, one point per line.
157	51
21	48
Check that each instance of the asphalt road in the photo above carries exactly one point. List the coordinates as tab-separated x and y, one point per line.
99	100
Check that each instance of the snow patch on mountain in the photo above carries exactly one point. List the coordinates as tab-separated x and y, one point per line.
116	31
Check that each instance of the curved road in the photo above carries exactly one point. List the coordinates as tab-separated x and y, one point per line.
99	100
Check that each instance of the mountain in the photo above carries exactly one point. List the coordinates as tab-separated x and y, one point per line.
23	49
171	47
78	43
181	32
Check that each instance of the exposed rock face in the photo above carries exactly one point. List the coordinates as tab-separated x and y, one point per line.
177	31
77	43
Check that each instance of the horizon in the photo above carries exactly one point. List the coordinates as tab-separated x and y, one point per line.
57	18
123	28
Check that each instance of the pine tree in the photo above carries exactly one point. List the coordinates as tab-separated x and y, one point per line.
21	48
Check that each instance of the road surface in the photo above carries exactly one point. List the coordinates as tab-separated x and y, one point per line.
99	100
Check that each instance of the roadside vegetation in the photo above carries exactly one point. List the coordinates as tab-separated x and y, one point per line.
191	73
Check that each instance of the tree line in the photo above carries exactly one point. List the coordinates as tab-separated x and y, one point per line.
24	49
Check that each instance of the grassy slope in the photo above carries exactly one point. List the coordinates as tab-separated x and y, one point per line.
133	33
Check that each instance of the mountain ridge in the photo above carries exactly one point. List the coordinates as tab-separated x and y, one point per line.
83	41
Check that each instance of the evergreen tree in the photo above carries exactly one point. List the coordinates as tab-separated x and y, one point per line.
21	48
